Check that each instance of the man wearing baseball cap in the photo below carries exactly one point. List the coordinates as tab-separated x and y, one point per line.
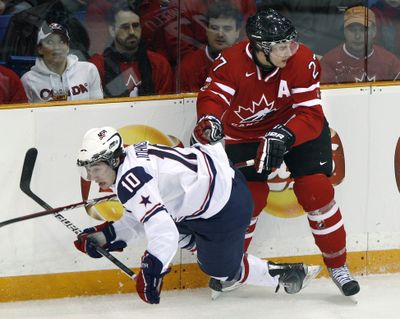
359	14
358	59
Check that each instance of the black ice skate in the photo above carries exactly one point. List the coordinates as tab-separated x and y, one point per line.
218	286
342	277
293	277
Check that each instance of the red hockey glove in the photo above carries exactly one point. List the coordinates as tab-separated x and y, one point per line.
272	148
208	130
150	279
102	235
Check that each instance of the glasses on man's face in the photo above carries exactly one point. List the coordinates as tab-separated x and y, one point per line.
127	27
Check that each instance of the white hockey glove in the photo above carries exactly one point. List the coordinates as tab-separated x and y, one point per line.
208	130
273	147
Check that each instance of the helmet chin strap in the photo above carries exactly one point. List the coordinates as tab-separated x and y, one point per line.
263	67
117	161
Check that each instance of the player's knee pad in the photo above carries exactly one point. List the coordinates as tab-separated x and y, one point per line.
259	193
313	191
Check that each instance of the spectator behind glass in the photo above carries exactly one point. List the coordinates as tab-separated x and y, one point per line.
21	34
11	89
224	23
126	67
58	75
199	9
96	19
15	6
359	59
319	23
388	22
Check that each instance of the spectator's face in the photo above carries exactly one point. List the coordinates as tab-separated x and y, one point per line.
393	3
355	36
221	33
54	49
126	31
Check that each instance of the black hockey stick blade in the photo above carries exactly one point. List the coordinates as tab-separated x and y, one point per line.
26	177
27	169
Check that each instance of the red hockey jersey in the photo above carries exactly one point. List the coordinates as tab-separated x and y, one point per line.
250	103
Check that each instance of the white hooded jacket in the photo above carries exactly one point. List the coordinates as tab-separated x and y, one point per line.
80	81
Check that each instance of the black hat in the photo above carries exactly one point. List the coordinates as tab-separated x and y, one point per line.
51	28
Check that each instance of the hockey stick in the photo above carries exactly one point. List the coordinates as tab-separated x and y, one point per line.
25	185
84	203
245	163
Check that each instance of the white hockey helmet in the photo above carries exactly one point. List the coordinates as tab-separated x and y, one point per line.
100	145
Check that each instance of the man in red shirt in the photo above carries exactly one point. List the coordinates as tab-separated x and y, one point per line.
223	29
11	89
177	27
264	96
348	62
127	68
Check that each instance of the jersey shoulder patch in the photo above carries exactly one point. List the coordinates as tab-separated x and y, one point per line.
132	181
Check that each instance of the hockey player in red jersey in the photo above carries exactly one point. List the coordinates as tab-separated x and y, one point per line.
263	97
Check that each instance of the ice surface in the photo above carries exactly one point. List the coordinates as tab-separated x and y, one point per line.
379	298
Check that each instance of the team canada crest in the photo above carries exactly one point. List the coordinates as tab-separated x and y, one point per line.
256	112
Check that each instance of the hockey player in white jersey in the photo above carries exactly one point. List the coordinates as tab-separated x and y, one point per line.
168	193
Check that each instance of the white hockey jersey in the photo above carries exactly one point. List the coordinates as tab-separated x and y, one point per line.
80	81
159	185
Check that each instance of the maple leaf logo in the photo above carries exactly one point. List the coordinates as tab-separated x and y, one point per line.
267	107
364	76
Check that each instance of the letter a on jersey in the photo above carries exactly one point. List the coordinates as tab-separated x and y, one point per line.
283	89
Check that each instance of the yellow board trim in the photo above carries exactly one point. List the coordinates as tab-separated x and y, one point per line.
102	282
101	101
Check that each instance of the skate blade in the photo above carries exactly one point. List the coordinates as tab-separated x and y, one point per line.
352	299
215	294
312	272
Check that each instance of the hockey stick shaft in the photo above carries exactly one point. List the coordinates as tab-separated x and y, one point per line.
58	210
25	185
244	164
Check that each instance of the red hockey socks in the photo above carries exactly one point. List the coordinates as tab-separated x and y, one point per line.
259	193
315	194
